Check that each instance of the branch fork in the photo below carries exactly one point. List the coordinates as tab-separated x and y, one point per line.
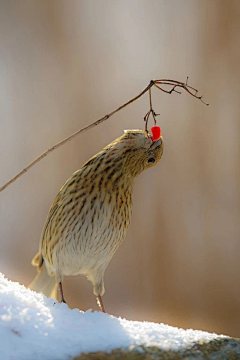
157	83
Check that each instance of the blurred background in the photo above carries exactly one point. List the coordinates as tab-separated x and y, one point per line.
65	64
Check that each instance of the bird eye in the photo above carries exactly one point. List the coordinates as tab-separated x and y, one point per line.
151	161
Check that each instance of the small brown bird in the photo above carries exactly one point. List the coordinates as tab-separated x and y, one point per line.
90	216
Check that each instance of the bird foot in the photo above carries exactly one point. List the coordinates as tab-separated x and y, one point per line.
100	304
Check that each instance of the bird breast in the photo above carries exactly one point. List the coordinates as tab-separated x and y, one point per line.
88	227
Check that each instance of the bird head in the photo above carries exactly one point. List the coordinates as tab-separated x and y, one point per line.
137	150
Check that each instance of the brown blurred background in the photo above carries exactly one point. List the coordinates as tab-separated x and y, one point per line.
64	64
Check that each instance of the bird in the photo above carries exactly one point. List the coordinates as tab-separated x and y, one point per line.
91	214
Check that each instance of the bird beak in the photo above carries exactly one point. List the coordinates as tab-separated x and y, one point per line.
156	144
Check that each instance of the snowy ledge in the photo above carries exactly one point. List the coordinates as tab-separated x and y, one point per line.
35	327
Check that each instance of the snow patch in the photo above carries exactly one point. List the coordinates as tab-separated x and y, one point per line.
33	326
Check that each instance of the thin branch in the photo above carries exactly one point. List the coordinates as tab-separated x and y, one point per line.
151	111
150	98
152	83
146	117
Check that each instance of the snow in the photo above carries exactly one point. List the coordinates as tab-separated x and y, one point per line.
35	327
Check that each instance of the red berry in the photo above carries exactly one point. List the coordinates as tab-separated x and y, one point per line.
156	133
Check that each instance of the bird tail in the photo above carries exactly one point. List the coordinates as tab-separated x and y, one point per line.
42	281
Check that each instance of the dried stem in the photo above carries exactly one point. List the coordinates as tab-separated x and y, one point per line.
151	111
174	84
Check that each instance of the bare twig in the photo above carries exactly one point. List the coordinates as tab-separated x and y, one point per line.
174	84
151	111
